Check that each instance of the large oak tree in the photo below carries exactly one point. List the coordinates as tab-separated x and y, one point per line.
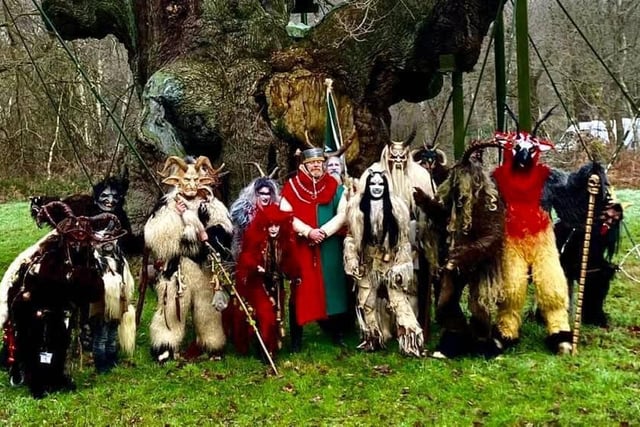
224	79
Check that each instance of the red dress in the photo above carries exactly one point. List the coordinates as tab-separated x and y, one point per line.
263	288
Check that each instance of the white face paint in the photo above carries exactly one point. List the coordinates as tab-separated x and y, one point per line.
334	166
274	230
264	196
108	199
376	186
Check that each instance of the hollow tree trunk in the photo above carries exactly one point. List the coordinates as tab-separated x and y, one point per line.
222	78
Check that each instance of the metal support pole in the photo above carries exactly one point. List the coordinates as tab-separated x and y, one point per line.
522	50
458	114
501	75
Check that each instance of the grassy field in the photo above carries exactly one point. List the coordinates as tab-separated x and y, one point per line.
326	385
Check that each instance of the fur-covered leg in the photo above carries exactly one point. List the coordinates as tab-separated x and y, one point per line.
206	319
372	337
454	339
166	330
515	271
410	337
596	289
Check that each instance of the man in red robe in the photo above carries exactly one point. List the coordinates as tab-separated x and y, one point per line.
315	198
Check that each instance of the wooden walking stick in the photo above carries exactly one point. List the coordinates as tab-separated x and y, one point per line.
593	186
217	267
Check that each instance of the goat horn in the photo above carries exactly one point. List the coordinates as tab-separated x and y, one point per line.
55	204
307	141
467	153
172	160
203	161
345	146
262	174
407	142
273	172
219	170
545	117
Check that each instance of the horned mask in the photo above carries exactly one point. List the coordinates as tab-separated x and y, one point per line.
193	177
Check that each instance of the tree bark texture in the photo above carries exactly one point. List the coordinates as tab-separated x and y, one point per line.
222	78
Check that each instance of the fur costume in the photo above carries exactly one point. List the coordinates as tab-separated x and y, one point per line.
529	243
471	215
405	174
60	276
568	195
186	219
262	265
108	196
114	316
377	252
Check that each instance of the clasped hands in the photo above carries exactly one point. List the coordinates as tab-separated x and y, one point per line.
317	236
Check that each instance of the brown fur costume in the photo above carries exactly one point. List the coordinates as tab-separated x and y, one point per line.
471	212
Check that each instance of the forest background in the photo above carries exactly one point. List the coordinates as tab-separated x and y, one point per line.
325	385
37	155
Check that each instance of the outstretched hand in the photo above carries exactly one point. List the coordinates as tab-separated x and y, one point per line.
421	198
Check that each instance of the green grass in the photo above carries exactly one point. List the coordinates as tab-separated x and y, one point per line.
325	385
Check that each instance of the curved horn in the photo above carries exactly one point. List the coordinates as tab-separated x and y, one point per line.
172	160
204	161
545	117
513	116
219	170
45	212
307	141
467	153
262	174
344	147
273	172
101	222
407	142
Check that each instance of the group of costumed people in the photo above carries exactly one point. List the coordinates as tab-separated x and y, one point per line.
325	247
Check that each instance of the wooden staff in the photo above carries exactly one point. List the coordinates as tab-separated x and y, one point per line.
593	186
217	267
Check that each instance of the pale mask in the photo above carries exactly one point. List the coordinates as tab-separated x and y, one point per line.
189	183
397	155
334	166
274	230
376	186
108	199
263	196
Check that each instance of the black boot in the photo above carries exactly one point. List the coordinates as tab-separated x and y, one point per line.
295	330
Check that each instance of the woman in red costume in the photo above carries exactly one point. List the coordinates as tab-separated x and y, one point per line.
266	258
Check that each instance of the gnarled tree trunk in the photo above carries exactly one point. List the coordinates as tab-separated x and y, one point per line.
223	78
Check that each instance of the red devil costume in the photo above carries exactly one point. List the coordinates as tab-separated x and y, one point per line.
267	257
529	243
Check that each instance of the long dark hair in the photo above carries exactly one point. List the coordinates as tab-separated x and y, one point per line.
389	222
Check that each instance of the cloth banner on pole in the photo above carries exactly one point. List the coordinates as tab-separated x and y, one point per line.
333	133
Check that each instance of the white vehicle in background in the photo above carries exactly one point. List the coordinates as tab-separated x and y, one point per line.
598	129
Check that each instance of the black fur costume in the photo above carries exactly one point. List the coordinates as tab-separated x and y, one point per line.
61	276
568	195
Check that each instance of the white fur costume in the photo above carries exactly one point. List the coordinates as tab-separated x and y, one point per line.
379	267
405	175
118	294
171	236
